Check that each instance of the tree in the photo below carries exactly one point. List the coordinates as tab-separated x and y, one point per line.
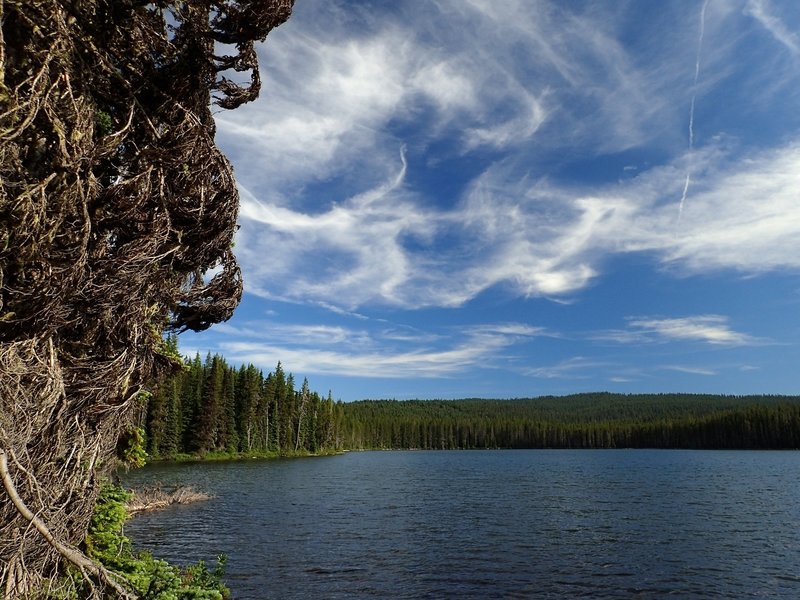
115	203
173	436
207	426
303	401
288	412
157	423
248	402
228	440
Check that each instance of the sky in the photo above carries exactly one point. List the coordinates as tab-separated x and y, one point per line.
472	198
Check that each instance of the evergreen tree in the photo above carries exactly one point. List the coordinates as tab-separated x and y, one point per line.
208	424
173	437
228	434
288	412
157	419
303	401
191	395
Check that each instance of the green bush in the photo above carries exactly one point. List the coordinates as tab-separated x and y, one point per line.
152	578
130	447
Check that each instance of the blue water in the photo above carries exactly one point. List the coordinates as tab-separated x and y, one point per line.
491	524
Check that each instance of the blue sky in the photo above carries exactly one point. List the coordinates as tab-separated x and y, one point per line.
454	198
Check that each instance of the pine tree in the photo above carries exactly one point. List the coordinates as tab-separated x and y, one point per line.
228	434
156	424
191	395
208	424
173	438
303	400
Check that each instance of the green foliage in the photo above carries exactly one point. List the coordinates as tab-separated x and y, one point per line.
152	578
103	123
168	348
212	410
131	448
215	411
598	420
104	540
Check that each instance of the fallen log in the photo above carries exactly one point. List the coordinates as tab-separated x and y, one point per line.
156	498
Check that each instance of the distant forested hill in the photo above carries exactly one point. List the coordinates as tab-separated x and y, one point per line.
599	420
211	406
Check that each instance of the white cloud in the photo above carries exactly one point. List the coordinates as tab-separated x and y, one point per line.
745	216
355	246
690	370
331	215
337	81
762	11
332	93
391	352
620	336
712	329
513	329
578	367
297	334
418	363
446	84
544	240
521	126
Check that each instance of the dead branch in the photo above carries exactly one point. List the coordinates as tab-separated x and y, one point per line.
73	555
150	499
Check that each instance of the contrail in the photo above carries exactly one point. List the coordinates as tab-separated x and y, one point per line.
691	107
379	192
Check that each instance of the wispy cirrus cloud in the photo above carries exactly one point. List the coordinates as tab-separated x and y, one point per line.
340	89
552	239
690	370
513	329
377	350
476	80
576	367
381	364
335	213
764	13
540	238
711	329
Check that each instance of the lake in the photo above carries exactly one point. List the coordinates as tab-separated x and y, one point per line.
490	524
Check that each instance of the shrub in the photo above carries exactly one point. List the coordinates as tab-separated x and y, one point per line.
152	578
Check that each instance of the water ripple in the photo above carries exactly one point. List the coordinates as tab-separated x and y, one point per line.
493	524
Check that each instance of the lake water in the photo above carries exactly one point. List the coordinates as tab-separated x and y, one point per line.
490	524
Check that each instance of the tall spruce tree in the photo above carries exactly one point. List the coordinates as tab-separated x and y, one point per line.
210	406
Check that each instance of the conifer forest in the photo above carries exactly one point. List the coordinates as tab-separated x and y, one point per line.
213	407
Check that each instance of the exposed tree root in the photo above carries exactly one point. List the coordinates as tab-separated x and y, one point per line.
86	565
117	214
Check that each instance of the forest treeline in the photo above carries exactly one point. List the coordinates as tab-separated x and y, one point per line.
211	406
595	420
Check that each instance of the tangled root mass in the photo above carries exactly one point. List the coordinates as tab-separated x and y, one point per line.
117	213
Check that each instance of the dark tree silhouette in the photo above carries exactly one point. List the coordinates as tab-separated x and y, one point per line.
115	205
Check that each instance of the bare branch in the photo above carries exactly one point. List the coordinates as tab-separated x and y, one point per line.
73	555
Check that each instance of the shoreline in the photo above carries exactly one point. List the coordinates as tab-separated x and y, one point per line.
236	456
